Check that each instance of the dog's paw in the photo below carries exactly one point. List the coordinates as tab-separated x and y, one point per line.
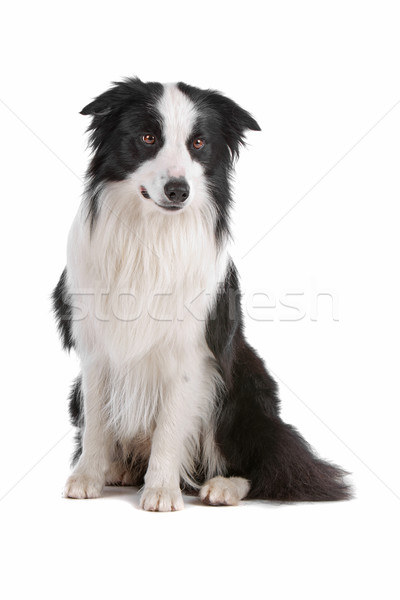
83	486
161	499
224	491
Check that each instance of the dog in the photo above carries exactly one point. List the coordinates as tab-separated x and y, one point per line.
171	396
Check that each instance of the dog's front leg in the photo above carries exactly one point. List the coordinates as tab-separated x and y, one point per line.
174	426
88	477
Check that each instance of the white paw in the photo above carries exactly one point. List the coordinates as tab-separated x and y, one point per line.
224	491
83	486
161	499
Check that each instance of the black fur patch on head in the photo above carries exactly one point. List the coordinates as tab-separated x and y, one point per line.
120	117
222	124
225	120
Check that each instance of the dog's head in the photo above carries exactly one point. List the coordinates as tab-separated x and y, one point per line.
172	142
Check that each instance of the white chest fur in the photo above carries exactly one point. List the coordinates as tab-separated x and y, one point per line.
142	286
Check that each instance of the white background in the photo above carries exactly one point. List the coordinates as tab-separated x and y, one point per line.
322	79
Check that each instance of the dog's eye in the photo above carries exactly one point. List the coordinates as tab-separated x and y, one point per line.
198	143
148	138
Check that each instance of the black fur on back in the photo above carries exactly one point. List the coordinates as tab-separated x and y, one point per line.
76	416
255	442
63	311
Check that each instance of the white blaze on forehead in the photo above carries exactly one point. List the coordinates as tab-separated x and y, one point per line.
178	113
179	116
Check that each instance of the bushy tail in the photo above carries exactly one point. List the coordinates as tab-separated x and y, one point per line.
289	470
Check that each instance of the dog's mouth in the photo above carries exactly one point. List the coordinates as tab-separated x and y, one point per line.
171	206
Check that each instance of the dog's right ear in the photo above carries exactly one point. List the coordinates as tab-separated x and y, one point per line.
102	105
114	98
96	109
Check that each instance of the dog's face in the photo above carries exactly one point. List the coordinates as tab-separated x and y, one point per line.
174	143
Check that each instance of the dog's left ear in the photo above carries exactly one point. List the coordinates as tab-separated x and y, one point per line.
235	120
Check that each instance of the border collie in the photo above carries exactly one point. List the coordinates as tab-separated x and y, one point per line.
171	396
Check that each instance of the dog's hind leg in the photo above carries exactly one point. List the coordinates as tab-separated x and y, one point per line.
226	491
260	447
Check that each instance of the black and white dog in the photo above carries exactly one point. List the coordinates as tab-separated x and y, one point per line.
170	395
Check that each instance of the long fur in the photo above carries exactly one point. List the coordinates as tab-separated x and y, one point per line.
171	394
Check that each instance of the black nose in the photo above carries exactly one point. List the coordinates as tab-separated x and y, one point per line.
177	189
